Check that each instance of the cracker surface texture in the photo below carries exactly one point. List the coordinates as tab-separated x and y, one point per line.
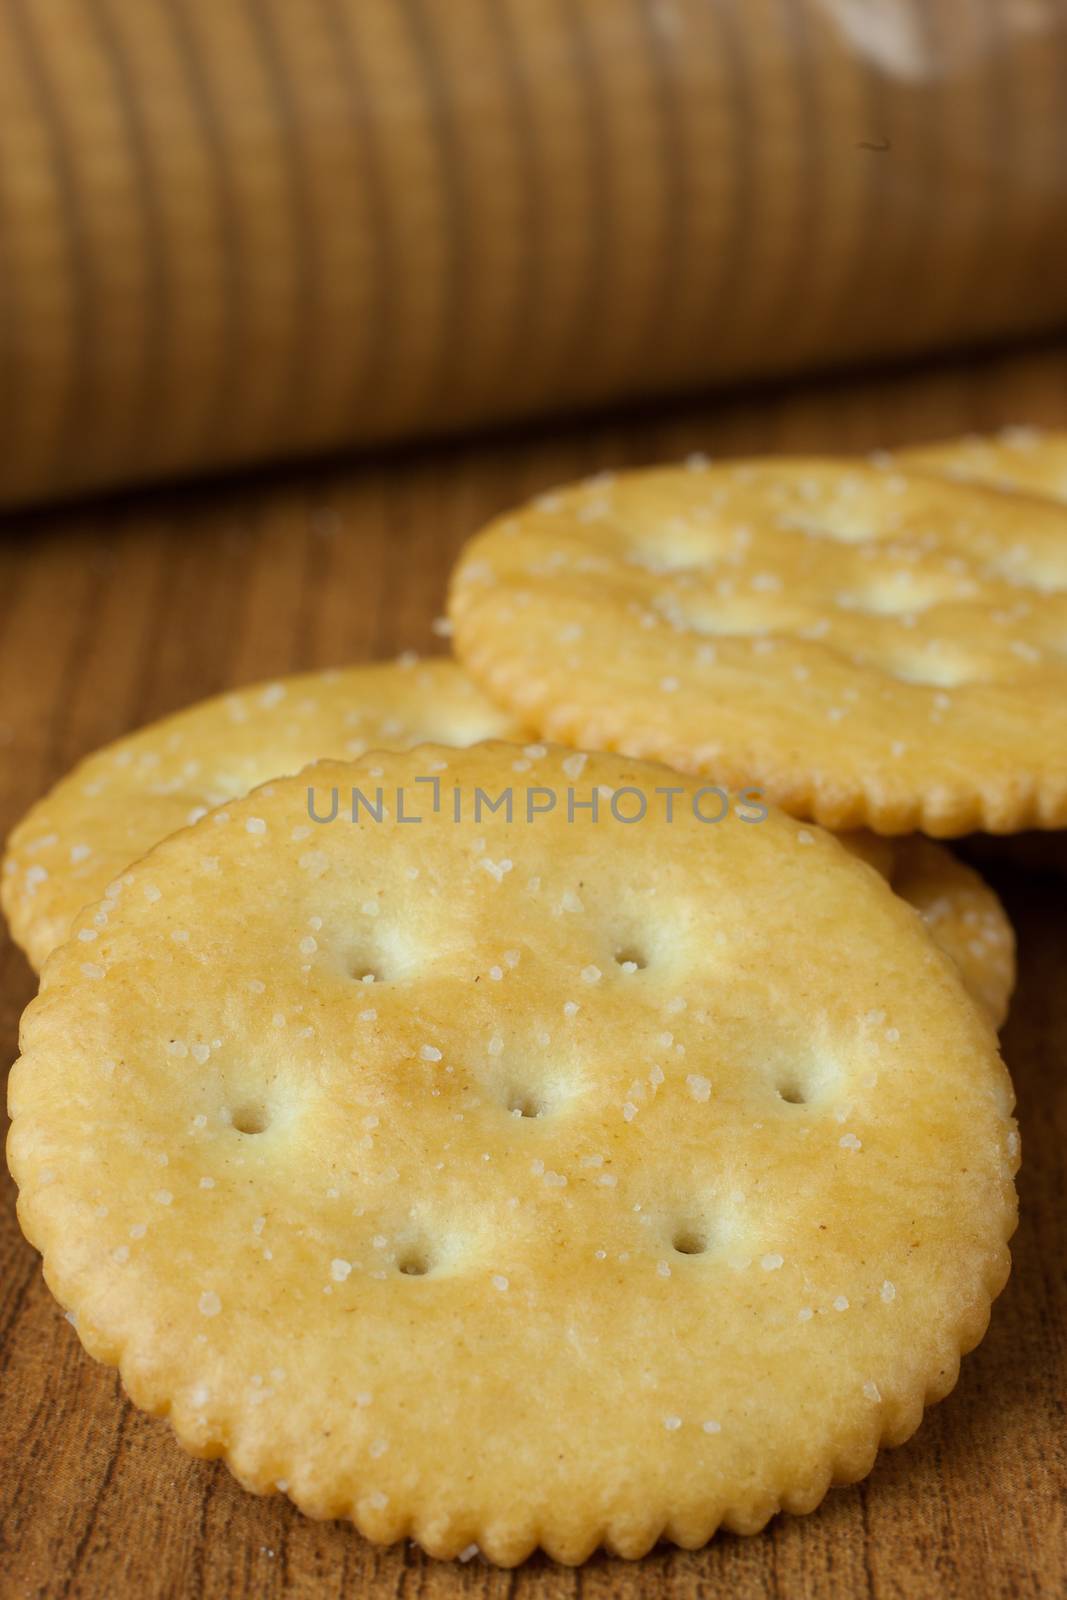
1029	460
122	800
503	1182
870	647
961	912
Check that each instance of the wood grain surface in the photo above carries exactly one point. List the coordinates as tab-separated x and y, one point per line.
115	613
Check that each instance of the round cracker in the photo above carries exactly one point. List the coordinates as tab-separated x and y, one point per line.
662	1174
868	647
1027	460
122	800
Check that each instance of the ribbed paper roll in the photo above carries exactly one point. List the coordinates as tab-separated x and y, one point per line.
237	229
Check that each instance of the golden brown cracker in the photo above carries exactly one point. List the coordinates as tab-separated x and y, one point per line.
1018	459
122	800
868	647
542	1179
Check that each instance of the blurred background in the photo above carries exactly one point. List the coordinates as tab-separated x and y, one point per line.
239	231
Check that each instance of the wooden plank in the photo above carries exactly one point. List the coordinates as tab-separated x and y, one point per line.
114	614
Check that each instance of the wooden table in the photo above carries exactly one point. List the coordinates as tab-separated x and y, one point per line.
113	614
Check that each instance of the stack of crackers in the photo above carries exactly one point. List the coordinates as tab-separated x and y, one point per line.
553	1099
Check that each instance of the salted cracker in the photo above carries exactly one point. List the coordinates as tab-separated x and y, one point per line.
868	647
1018	459
513	1180
122	800
74	844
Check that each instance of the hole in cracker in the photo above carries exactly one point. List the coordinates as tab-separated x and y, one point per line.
523	1104
893	594
932	673
631	959
414	1262
387	952
251	1118
690	1241
792	1093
